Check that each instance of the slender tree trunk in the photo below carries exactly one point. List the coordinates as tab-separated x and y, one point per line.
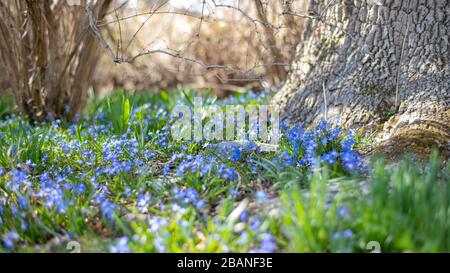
49	55
87	64
275	70
366	61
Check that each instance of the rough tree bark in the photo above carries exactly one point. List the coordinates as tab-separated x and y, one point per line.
367	60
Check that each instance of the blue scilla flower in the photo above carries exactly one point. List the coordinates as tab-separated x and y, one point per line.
321	128
108	209
191	195
343	212
334	134
9	239
80	188
229	174
148	154
351	160
22	202
348	142
156	223
200	204
346	234
287	159
233	193
121	246
255	224
166	170
268	243
186	196
23	225
330	157
143	200
244	216
178	209
236	154
17	180
53	199
244	238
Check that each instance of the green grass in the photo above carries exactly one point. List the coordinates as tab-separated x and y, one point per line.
115	180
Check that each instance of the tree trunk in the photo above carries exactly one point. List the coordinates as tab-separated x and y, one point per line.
275	71
366	61
87	63
48	54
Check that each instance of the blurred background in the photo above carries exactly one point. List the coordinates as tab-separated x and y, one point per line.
228	45
253	42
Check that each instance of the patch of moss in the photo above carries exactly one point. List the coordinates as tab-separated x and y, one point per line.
419	142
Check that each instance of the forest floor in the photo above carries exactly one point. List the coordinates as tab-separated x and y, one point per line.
115	180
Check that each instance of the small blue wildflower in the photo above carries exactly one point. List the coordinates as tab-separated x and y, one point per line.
244	216
157	223
22	202
343	212
268	243
255	223
68	186
233	193
200	204
9	239
347	234
80	188
229	174
236	154
143	200
108	209
244	238
121	246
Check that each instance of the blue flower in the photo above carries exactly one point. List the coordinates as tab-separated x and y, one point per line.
200	204
233	193
287	159
143	200
236	154
121	246
108	209
268	243
343	212
17	180
244	216
229	174
156	223
68	186
346	234
255	223
9	239
22	202
80	188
